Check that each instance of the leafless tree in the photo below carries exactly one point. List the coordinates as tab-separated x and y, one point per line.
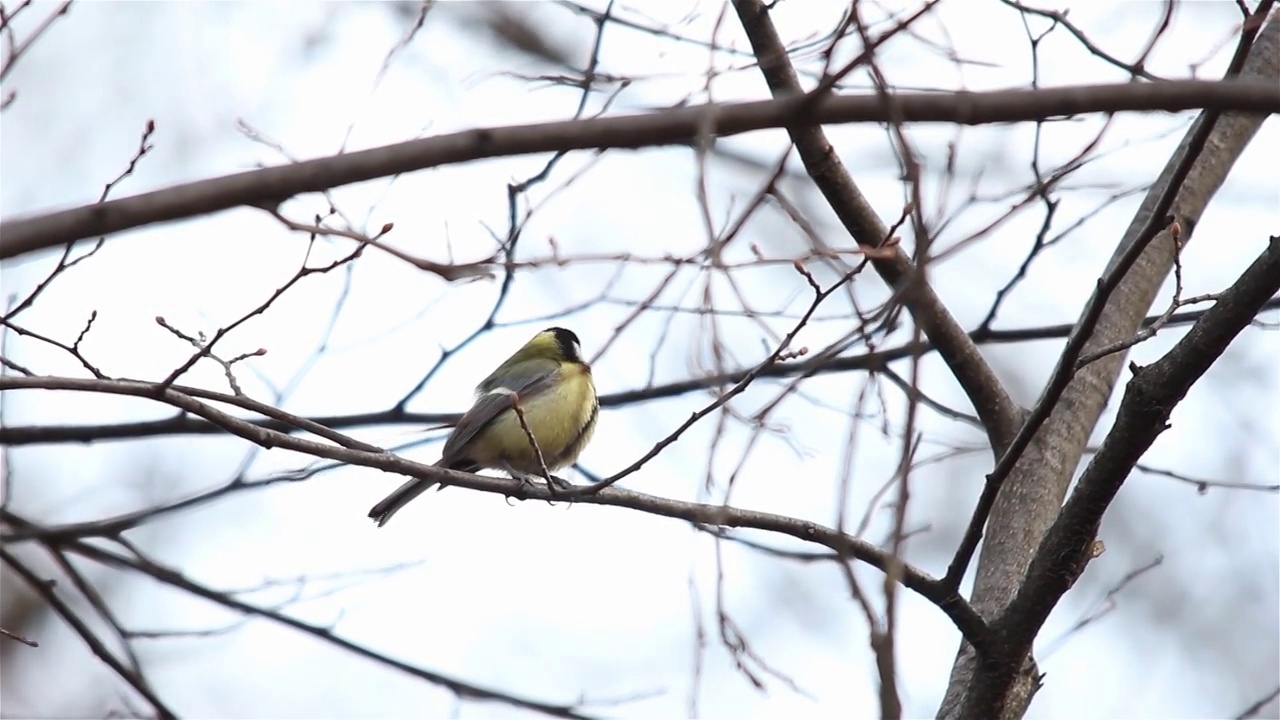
858	280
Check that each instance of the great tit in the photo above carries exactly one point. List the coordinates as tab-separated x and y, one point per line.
551	384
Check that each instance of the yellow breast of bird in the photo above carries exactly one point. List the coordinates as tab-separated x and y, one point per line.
562	421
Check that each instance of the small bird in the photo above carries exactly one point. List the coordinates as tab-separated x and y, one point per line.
552	385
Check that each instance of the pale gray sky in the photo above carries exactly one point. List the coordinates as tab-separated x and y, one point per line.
561	603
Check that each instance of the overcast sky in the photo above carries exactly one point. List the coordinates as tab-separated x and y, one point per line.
565	603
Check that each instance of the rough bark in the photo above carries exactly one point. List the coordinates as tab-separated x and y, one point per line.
1032	496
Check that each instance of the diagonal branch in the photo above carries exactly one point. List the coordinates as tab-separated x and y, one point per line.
45	589
999	414
1149	400
1157	224
1030	499
177	580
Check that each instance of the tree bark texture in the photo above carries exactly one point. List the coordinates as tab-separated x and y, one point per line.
1032	496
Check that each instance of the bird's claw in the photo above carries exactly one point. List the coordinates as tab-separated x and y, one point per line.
526	484
553	484
556	485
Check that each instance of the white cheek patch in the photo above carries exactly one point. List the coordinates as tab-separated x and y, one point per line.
577	349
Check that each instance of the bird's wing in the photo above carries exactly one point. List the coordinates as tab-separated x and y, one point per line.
492	404
513	377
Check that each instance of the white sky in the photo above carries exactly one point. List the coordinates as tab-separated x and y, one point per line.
557	603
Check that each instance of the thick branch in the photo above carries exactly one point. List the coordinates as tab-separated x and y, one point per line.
1149	400
270	186
1031	497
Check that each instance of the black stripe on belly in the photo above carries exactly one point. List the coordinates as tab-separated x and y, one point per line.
575	447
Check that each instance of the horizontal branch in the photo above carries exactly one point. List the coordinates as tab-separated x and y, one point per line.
184	424
271	186
965	618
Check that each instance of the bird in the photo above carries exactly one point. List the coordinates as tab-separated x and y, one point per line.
552	385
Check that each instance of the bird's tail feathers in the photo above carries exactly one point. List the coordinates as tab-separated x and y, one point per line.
402	496
405	494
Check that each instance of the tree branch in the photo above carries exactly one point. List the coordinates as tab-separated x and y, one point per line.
175	579
1030	499
268	187
1149	400
184	424
45	589
968	622
998	412
1070	362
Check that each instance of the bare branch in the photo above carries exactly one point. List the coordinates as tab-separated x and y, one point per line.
186	425
269	187
24	640
171	577
1059	19
1256	708
45	589
1202	485
1024	492
819	295
14	49
706	514
1149	399
997	410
